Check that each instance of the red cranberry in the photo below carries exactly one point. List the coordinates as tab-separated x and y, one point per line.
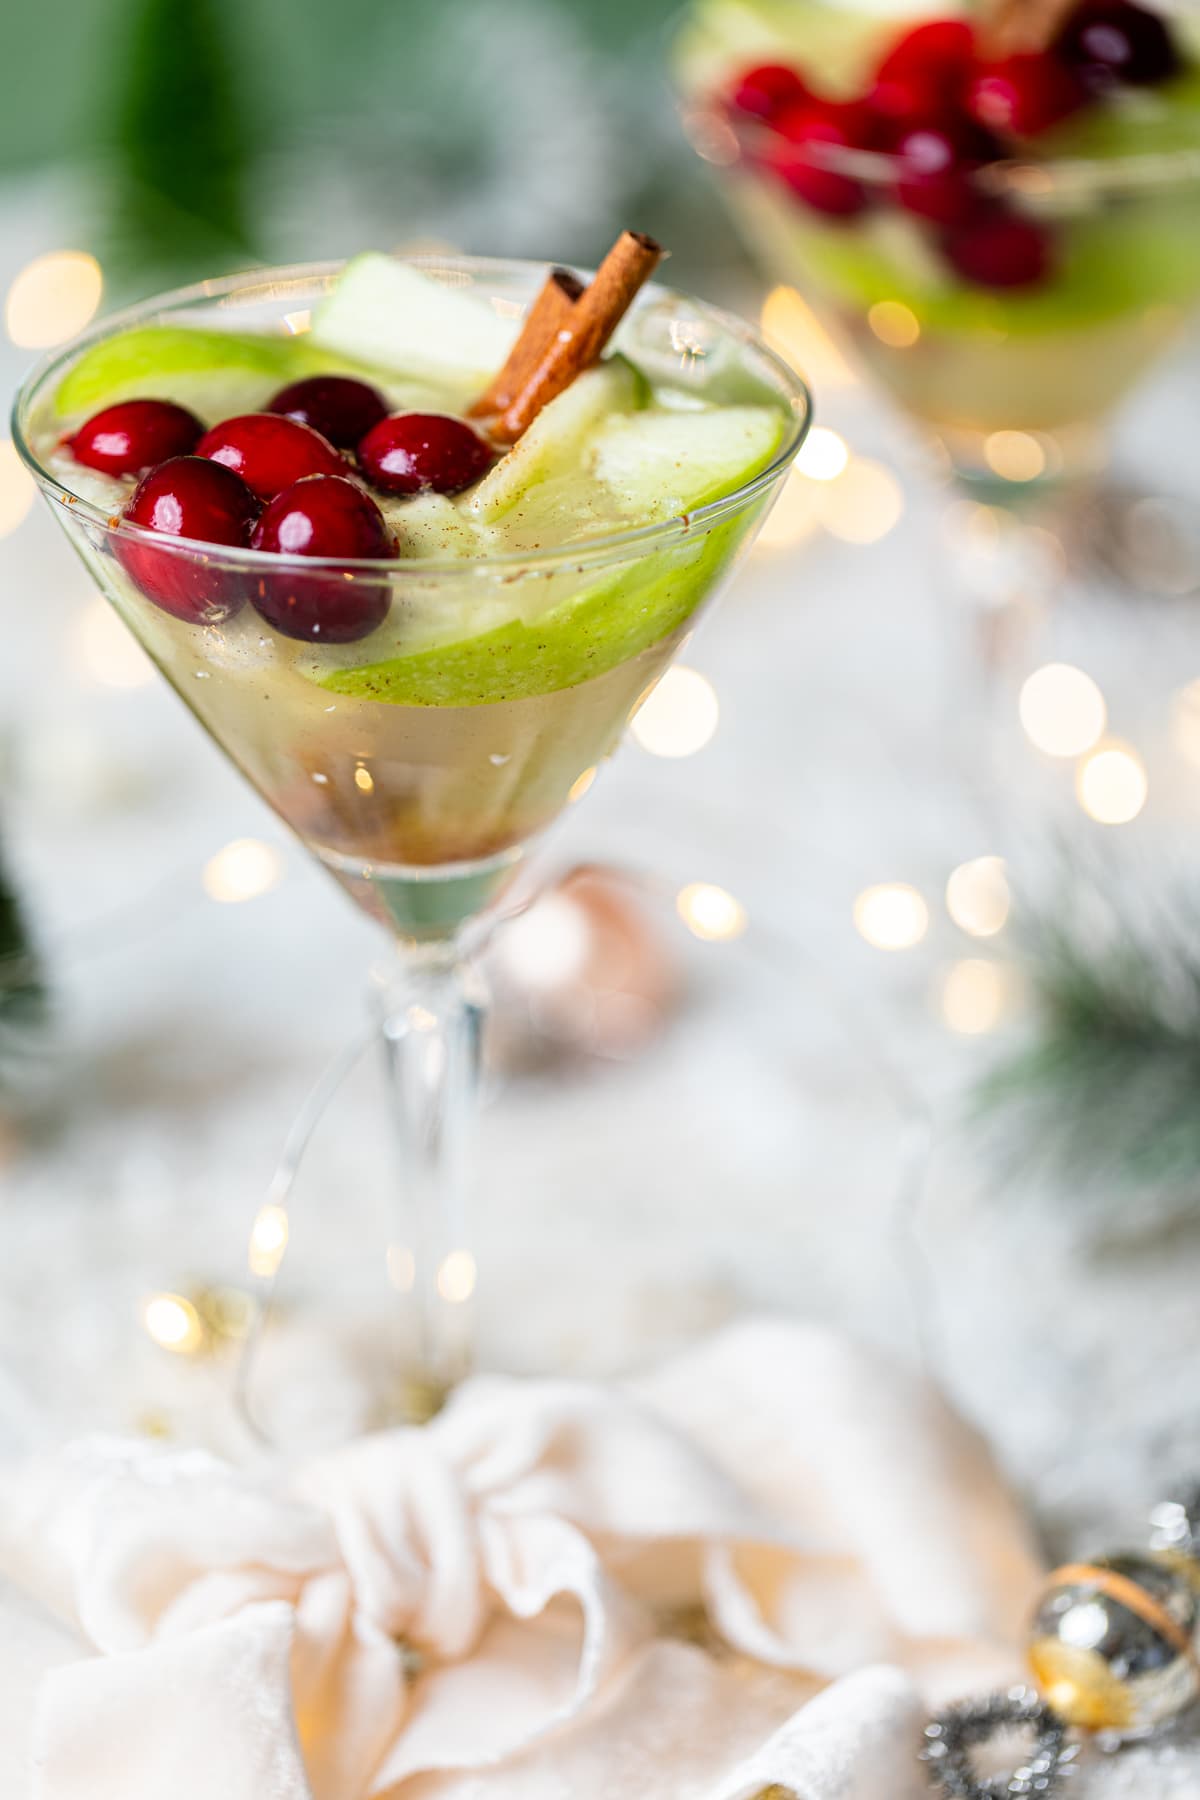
1113	41
188	497
341	409
268	452
936	57
1000	250
815	139
767	92
935	168
413	453
922	77
134	435
329	516
1024	94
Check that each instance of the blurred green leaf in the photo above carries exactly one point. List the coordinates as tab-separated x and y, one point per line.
183	144
23	998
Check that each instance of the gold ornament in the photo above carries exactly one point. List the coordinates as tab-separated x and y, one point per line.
1113	1642
1114	1646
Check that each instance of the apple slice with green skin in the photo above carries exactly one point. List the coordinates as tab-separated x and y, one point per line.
553	442
599	627
672	462
388	313
657	464
216	373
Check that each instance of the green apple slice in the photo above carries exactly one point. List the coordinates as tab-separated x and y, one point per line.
216	373
430	525
657	464
554	440
387	312
174	362
599	627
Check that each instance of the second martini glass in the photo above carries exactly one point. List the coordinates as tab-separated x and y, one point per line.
419	780
1010	301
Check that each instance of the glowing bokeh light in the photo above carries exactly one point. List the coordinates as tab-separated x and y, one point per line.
977	896
1062	710
401	1268
679	716
52	298
241	871
823	455
580	786
1185	722
792	328
364	781
863	504
894	324
1111	784
174	1324
1014	455
891	916
547	946
268	1240
794	516
456	1277
710	912
974	992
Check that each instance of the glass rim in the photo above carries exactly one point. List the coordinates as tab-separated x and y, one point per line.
794	394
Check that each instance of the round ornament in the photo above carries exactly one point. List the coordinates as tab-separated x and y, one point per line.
1112	1645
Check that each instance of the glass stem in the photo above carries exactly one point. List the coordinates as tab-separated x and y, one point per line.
433	1011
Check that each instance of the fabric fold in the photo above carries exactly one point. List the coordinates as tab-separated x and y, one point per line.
548	1575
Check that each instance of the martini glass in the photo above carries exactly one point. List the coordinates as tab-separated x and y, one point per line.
1012	358
421	795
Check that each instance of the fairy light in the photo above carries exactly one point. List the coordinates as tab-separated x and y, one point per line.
679	716
823	455
1062	711
792	328
401	1268
456	1277
1185	722
106	652
894	324
863	504
174	1324
580	786
268	1240
17	492
1014	455
974	992
891	916
794	516
52	298
977	896
710	912
241	871
364	781
1111	784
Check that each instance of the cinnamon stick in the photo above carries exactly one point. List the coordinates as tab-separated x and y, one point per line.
1011	27
549	314
558	343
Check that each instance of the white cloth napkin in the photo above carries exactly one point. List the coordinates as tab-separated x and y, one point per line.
751	1568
